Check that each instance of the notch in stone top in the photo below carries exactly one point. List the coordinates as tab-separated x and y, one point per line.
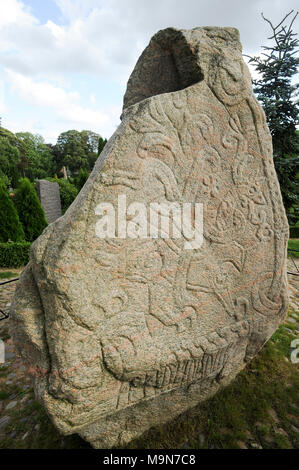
175	59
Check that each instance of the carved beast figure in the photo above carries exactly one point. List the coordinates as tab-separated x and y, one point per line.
120	333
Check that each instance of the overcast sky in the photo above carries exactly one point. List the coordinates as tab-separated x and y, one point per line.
64	64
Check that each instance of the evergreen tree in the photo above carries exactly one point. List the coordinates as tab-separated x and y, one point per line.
10	225
277	66
30	211
102	143
9	157
81	179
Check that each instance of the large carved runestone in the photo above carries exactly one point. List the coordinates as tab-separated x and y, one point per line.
123	333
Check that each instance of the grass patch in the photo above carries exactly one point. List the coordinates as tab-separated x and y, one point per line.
241	411
282	442
44	437
8	275
4	395
293	244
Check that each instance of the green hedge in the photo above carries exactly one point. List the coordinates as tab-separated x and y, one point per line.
14	254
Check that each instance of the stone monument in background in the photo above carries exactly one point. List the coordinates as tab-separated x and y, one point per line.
49	196
123	333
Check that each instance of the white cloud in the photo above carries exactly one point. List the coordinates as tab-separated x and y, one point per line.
40	93
13	12
102	39
73	9
66	105
105	37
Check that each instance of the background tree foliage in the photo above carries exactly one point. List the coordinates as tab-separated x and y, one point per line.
78	150
27	155
68	192
30	211
276	66
9	158
81	179
36	156
10	226
25	158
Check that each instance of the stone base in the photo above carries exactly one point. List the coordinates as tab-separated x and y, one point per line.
119	429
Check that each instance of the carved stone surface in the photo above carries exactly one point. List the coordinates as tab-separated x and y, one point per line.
122	334
49	196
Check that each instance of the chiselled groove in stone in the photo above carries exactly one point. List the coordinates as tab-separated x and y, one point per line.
185	372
